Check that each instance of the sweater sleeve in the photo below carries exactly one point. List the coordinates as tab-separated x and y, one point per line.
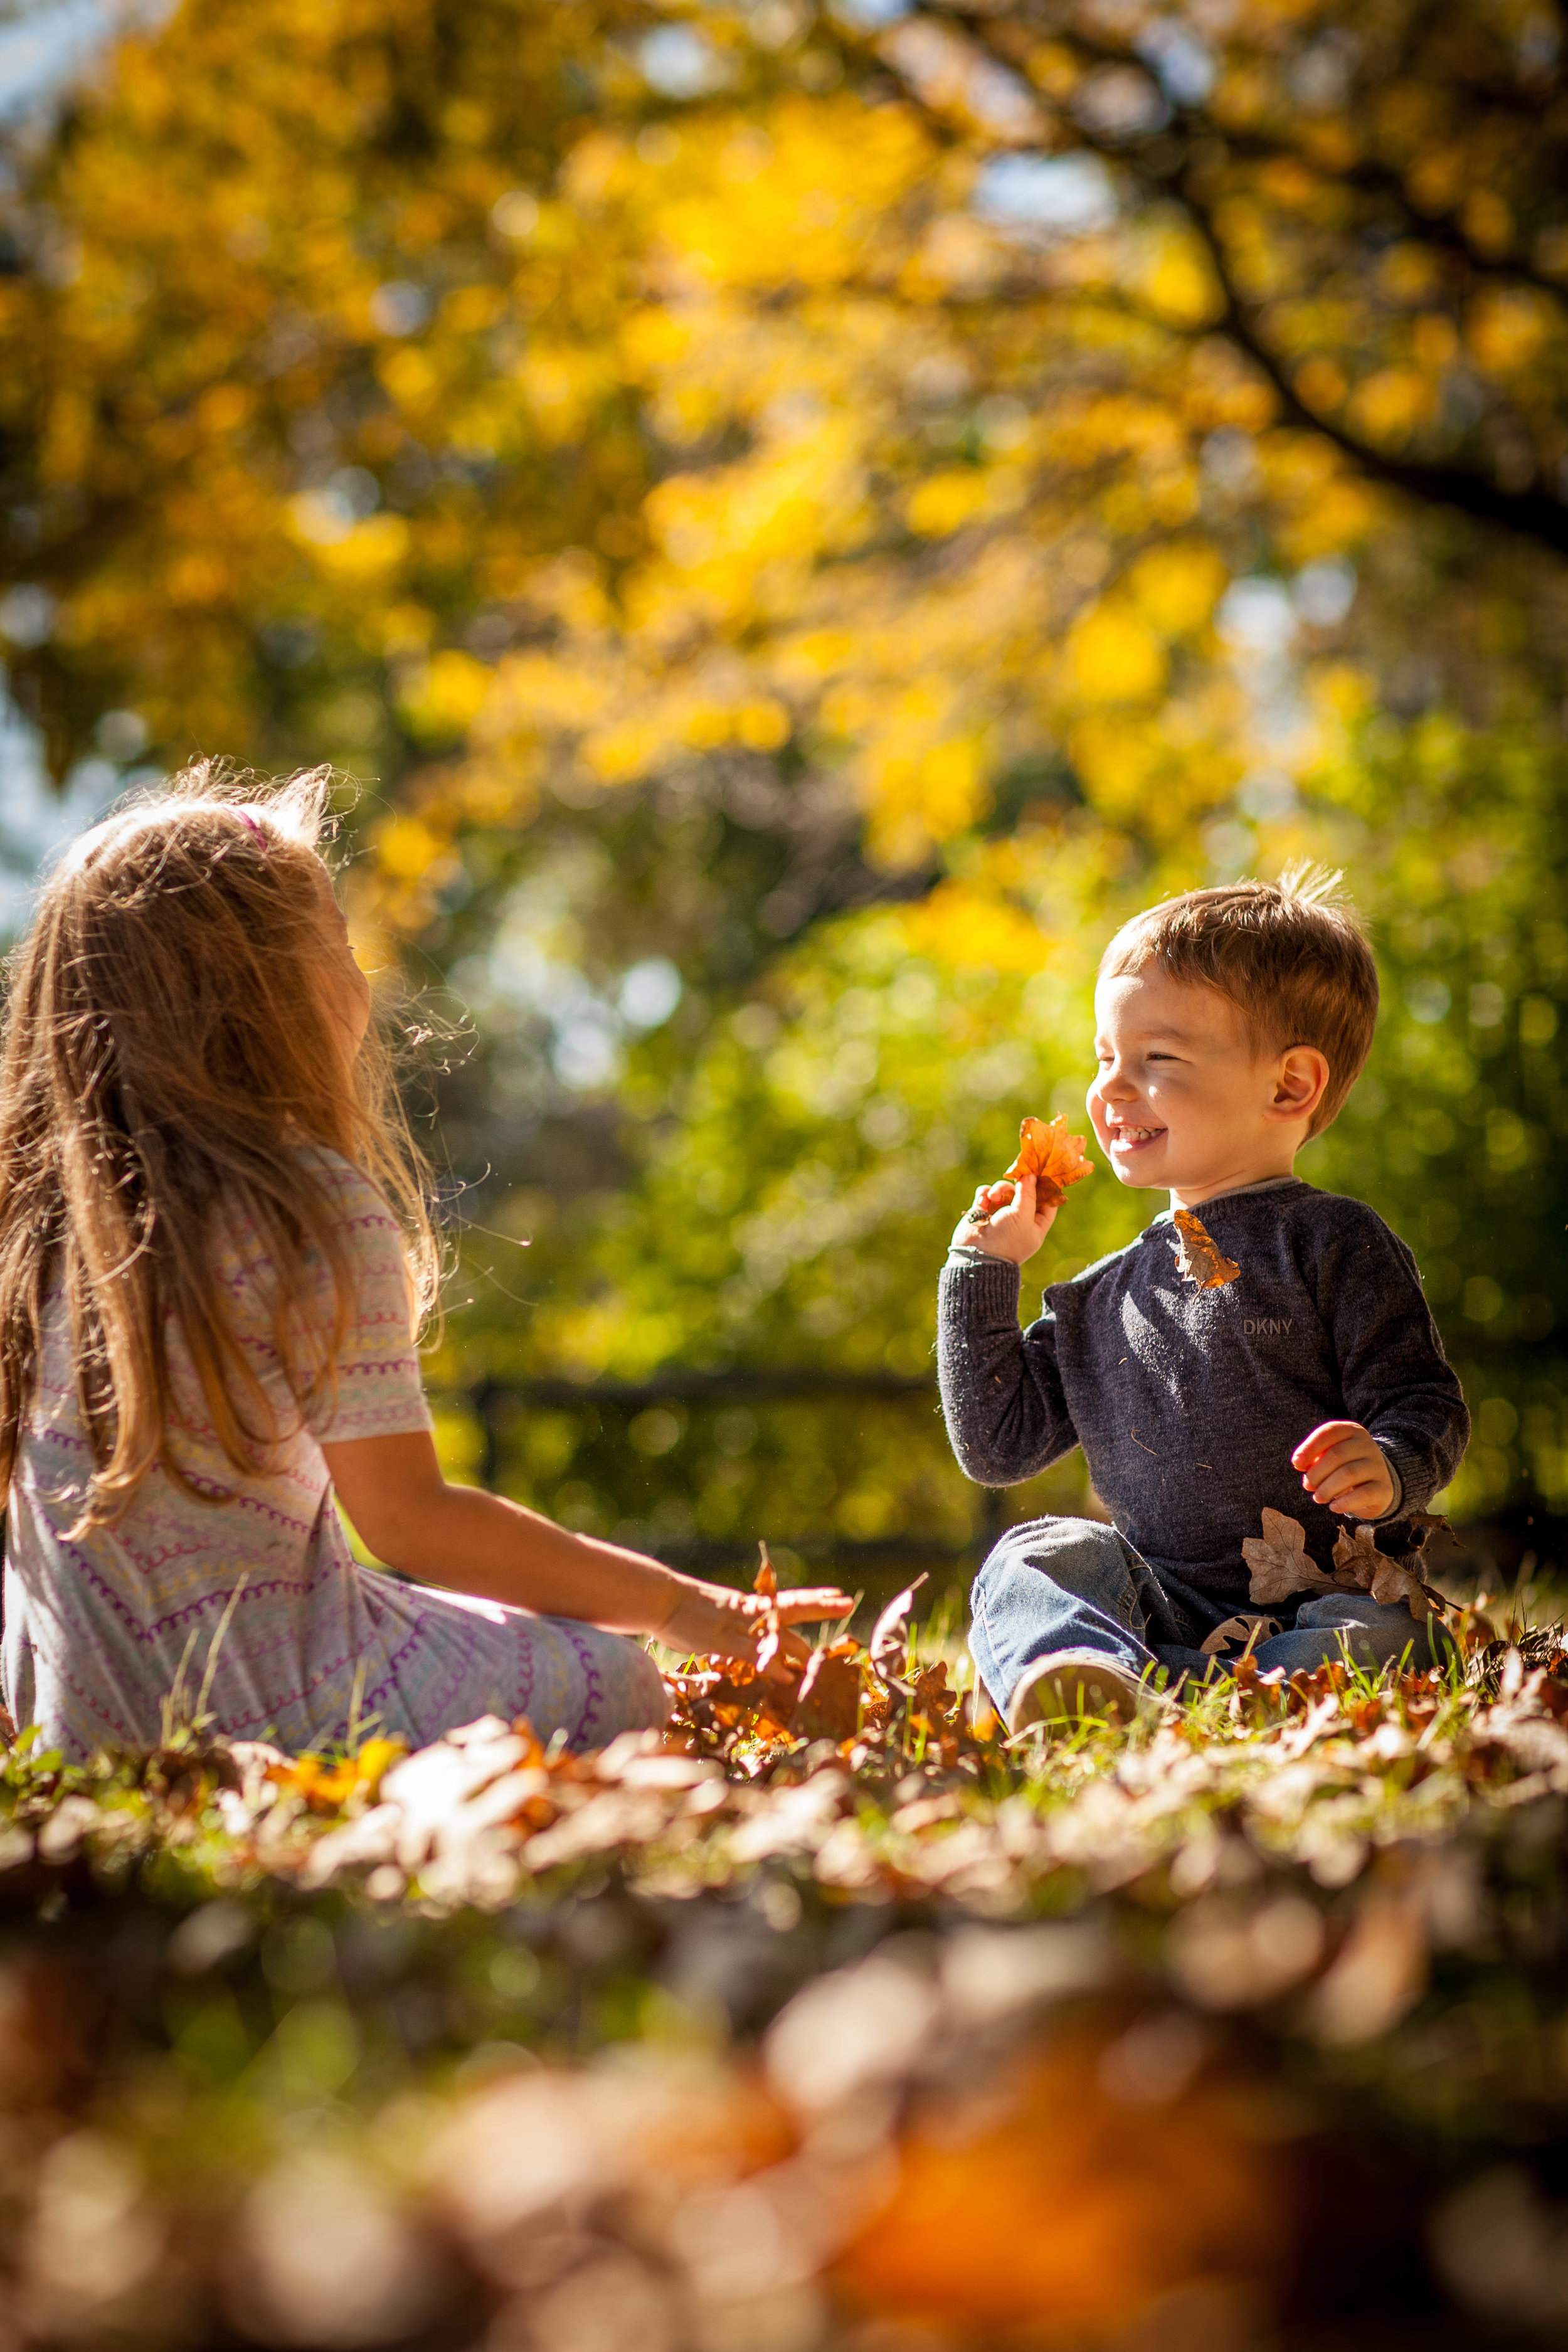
1001	1392
1394	1377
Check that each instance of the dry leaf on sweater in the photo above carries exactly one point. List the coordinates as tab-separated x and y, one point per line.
1052	1156
1278	1560
1199	1259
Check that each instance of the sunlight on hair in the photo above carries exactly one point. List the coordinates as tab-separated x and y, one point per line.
1307	884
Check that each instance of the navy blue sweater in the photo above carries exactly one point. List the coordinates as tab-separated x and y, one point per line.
1189	1403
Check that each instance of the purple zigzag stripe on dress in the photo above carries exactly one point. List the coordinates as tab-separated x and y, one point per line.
64	1439
158	1555
151	1556
183	1615
592	1683
390	1684
93	1707
440	1709
224	1498
302	1695
528	1669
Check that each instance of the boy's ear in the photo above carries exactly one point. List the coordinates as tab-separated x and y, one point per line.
1300	1081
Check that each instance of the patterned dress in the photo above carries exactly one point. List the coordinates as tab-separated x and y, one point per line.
101	1628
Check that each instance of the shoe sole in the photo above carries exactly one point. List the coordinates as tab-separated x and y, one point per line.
1069	1693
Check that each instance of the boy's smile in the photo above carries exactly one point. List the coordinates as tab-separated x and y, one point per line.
1185	1098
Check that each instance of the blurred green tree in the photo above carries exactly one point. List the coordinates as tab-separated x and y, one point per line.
801	1172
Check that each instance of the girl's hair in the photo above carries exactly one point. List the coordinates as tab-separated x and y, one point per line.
169	1056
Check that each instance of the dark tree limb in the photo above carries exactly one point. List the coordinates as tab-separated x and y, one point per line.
1534	513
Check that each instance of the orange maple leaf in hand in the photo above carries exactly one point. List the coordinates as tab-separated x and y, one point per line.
1052	1156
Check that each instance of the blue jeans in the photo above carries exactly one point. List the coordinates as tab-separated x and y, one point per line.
1075	1584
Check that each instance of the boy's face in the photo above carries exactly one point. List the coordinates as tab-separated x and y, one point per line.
1183	1100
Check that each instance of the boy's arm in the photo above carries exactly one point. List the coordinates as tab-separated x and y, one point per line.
1395	1378
1001	1392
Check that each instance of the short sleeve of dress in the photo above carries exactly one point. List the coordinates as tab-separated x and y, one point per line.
379	1393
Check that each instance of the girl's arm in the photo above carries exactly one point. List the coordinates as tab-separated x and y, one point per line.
403	1510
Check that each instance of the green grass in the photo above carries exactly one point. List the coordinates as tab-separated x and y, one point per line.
1290	1931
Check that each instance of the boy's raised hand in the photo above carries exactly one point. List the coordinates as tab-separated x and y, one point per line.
1004	1221
1343	1467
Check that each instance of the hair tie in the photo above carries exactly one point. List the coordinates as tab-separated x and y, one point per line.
255	823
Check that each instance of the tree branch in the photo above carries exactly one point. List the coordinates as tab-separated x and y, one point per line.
1532	514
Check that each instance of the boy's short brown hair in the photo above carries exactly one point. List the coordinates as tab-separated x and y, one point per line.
1291	955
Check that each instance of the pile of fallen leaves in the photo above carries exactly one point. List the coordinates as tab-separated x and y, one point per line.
877	1705
828	2015
1282	1568
857	1768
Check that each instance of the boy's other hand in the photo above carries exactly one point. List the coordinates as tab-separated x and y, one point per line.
1342	1465
1013	1227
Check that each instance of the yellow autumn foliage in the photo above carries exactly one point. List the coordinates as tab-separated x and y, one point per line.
1113	657
588	439
445	695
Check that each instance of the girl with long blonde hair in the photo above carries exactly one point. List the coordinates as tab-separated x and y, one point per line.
214	1253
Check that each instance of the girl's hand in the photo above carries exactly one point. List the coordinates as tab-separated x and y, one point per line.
1342	1465
1013	1227
720	1623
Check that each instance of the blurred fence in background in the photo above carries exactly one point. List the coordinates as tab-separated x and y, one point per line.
498	1406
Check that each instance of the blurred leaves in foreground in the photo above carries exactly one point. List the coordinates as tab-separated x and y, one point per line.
1230	2030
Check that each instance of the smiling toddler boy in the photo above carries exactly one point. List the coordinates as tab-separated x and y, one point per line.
1232	1026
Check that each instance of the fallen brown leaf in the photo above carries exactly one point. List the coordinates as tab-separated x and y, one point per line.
1239	1629
1278	1559
828	1704
889	1635
1357	1560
